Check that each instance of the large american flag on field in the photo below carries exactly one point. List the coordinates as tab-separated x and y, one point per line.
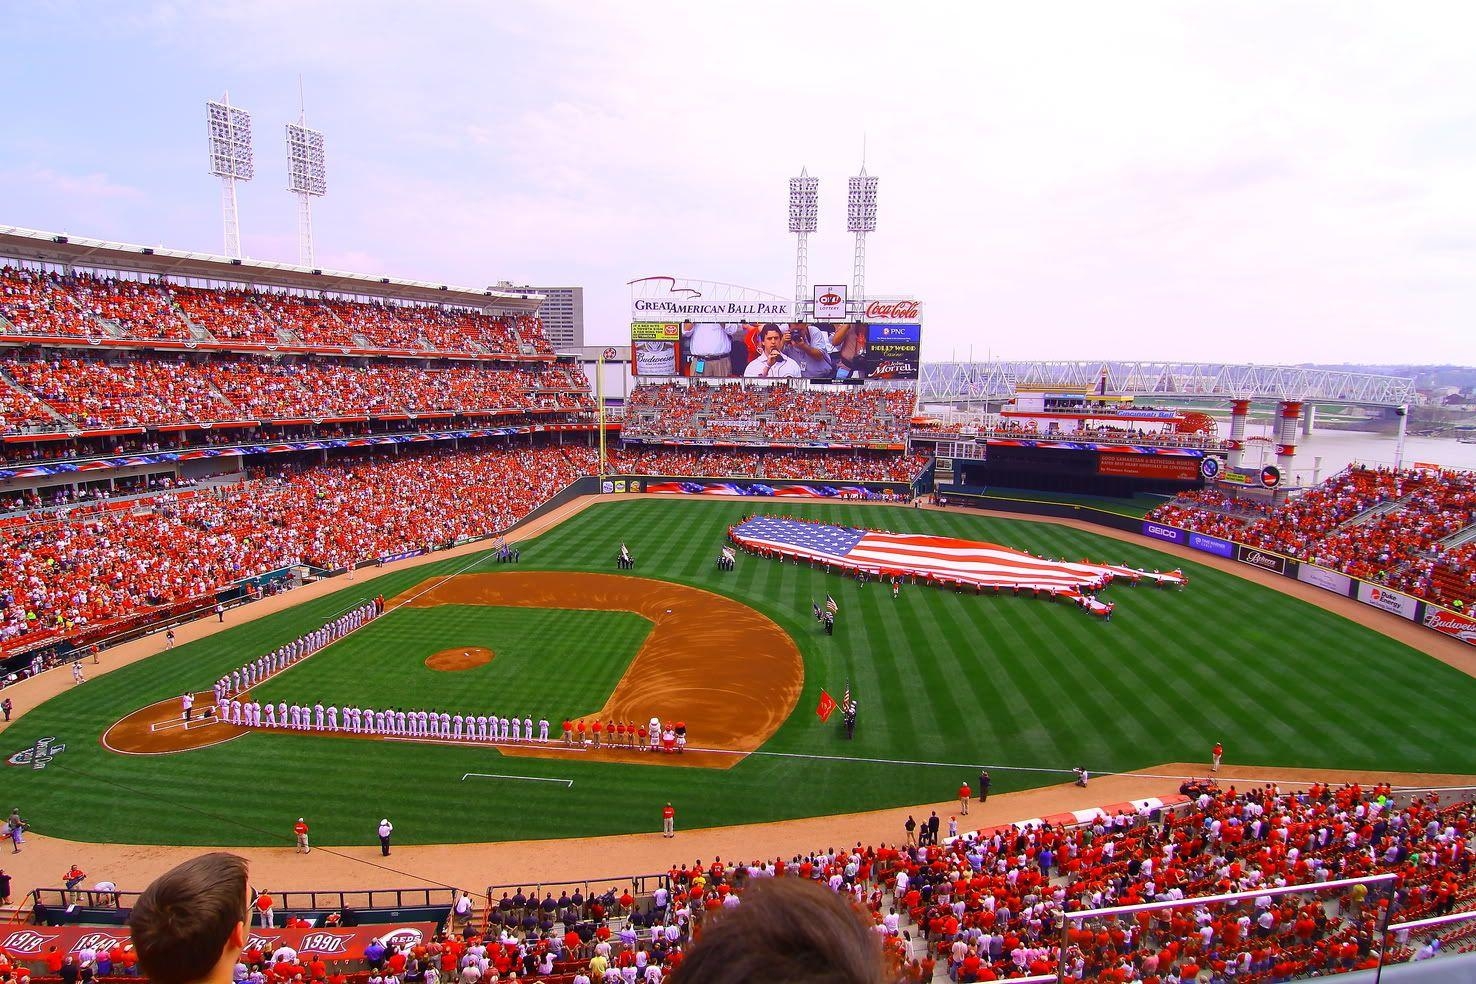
951	559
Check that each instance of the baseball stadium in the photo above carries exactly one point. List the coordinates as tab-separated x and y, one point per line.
798	612
497	658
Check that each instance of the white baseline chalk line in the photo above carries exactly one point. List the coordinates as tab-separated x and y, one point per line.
494	775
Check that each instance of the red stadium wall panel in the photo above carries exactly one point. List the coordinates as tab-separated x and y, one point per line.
32	942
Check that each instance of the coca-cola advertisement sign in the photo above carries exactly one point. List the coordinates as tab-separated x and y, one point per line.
1451	624
893	309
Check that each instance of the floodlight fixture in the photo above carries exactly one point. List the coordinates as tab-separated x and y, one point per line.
861	204
230	140
804	194
860	219
307	175
306	164
228	130
804	212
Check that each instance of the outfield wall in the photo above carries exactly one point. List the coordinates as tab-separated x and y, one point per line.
1423	613
780	488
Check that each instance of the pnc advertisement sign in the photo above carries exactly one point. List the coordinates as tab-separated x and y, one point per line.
896	350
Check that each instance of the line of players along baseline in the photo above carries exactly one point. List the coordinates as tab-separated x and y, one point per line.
689	690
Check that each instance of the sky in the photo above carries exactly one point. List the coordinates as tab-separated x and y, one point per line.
1267	183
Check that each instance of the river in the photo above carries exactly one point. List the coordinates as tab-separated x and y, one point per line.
1338	448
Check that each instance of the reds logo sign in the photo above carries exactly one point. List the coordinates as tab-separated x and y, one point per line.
892	311
406	936
27	941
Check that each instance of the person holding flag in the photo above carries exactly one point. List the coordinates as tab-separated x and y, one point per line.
818	616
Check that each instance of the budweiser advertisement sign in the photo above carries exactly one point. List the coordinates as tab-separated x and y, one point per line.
32	942
893	309
1451	624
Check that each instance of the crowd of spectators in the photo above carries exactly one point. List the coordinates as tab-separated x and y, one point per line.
991	906
83	305
737	412
61	575
1451	578
35	303
1441	505
1372	523
161	390
854	466
1028	429
1211	512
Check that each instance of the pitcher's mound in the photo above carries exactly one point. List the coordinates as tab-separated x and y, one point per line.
461	658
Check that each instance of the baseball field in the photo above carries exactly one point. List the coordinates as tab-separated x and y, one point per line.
945	682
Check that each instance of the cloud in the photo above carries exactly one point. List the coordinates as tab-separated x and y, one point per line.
94	187
1188	181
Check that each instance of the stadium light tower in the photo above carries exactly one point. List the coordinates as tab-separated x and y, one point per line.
804	211
861	219
231	161
307	177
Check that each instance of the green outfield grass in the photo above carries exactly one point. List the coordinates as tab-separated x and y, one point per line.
1136	507
547	662
1013	683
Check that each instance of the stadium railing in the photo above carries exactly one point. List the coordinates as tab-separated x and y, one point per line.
1455	932
641	886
